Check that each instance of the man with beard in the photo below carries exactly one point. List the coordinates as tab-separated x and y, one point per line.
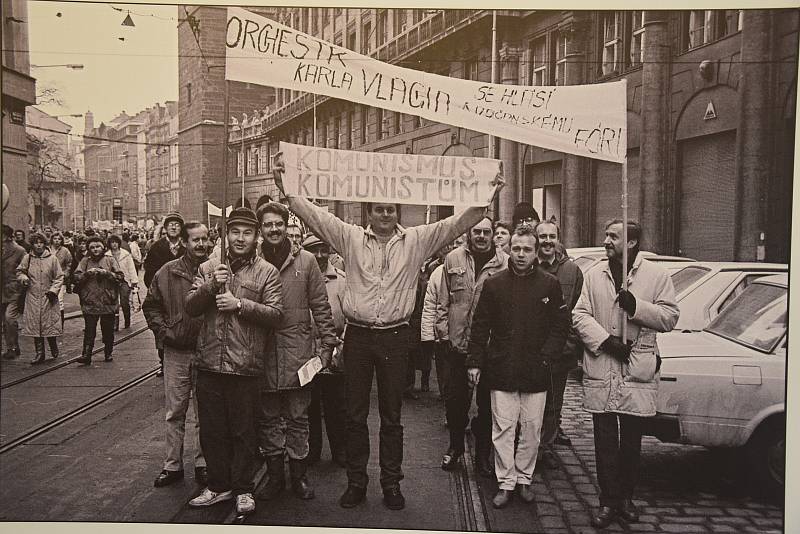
64	257
178	332
166	249
519	328
552	260
97	280
383	263
283	418
241	304
620	377
464	273
327	395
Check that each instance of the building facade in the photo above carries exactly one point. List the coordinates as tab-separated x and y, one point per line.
160	150
19	91
55	185
711	110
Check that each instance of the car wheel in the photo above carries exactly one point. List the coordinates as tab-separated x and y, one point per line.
766	453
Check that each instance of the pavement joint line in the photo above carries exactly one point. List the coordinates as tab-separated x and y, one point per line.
481	519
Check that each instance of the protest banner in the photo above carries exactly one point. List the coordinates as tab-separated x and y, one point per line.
315	172
586	120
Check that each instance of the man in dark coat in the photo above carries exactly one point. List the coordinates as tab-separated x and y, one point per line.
519	329
12	256
168	248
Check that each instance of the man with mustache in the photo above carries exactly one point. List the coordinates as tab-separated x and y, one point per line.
383	263
283	417
552	260
620	376
519	328
177	331
464	273
241	304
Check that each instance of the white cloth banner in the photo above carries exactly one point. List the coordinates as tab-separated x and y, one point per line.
217	212
315	172
586	120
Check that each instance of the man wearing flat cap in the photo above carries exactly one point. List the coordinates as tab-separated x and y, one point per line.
168	248
241	304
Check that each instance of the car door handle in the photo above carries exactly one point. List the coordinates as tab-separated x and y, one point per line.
669	378
747	375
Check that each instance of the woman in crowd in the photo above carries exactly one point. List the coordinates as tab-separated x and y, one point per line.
125	261
41	275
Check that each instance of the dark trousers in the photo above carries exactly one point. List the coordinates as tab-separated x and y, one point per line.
328	401
125	301
458	401
442	370
618	447
106	327
553	405
385	354
226	407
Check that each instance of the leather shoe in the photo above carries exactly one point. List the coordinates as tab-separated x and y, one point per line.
201	476
605	516
628	512
393	498
165	478
502	498
526	492
562	438
352	496
450	459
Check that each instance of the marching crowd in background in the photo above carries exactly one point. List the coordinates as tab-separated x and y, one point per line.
498	307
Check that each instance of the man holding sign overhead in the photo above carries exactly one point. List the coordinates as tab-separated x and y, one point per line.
382	263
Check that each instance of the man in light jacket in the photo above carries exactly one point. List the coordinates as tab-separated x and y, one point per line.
465	271
283	417
241	304
382	262
620	378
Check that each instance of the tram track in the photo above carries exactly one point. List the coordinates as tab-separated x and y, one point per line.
61	419
70	360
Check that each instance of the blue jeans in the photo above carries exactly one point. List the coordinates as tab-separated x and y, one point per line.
178	385
383	353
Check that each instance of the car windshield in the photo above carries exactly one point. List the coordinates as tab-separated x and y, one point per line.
585	261
687	276
757	318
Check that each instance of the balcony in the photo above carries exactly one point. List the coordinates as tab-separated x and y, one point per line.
421	35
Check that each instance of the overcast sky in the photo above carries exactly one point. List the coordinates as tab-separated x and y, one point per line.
128	75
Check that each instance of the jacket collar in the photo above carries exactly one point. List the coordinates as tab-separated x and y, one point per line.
399	232
331	272
637	261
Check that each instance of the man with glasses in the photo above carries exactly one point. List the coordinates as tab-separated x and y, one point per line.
283	416
168	248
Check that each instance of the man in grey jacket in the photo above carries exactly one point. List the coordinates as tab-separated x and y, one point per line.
620	377
283	417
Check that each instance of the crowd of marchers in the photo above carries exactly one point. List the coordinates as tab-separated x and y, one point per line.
499	308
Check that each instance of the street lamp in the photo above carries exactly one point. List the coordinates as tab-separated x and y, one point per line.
73	66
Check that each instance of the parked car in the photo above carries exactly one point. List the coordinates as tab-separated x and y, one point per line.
591	257
703	289
725	385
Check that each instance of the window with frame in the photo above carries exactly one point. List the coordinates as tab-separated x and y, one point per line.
337	39
471	70
636	38
399	17
546	201
382	26
351	40
364	118
704	26
351	118
538	61
560	59
380	124
417	15
366	31
612	43
398	122
336	126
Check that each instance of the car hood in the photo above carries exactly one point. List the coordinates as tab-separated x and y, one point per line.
698	344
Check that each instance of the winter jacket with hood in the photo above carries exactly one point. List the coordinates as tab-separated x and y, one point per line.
43	275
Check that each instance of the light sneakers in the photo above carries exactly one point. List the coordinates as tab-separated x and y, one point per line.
245	504
208	497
